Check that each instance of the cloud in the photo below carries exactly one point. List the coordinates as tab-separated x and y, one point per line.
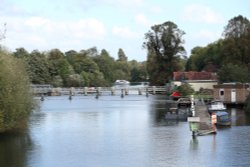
201	14
124	32
140	19
156	9
39	32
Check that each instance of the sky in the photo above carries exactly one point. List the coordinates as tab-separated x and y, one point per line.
112	24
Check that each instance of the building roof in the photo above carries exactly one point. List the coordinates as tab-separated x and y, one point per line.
193	75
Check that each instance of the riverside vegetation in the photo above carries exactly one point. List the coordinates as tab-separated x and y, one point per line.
15	99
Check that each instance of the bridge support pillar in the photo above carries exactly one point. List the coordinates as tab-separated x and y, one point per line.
154	90
85	91
126	91
139	91
112	91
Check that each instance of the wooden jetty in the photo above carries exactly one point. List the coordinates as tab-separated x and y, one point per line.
205	125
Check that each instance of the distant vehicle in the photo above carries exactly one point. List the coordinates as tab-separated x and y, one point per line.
216	105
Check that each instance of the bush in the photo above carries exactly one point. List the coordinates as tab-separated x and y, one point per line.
185	89
15	97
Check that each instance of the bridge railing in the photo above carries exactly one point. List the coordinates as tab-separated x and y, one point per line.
101	90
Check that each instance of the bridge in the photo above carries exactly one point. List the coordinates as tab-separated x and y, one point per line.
115	90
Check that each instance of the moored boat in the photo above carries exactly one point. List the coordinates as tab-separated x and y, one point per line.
223	118
216	105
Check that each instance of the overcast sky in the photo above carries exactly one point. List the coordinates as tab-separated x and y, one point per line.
112	24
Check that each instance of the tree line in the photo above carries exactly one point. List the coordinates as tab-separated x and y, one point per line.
79	69
229	56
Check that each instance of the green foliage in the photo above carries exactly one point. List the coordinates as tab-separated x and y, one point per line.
121	55
15	98
38	68
233	73
229	56
185	89
164	45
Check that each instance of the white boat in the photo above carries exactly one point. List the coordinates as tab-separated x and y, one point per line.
216	105
121	83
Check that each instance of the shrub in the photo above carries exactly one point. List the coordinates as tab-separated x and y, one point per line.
15	97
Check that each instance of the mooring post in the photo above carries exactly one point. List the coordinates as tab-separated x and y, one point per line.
147	92
97	93
122	95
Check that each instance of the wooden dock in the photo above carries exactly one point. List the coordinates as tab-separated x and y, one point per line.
205	125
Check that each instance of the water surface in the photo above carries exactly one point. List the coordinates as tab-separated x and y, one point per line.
120	132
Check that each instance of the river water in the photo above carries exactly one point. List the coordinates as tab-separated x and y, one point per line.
120	132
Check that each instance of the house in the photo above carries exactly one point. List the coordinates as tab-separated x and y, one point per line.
197	80
231	93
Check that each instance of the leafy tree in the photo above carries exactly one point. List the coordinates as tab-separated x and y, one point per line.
21	53
122	56
164	45
15	99
38	68
138	71
75	80
59	67
233	73
106	65
237	41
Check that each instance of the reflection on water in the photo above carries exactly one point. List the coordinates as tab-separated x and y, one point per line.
111	131
14	148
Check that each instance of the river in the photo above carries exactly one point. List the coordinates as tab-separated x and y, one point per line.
120	132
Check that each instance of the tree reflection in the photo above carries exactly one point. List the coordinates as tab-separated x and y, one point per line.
14	148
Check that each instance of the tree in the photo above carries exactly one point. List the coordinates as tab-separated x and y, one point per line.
106	65
164	46
234	73
15	99
59	67
122	56
38	68
237	27
237	41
